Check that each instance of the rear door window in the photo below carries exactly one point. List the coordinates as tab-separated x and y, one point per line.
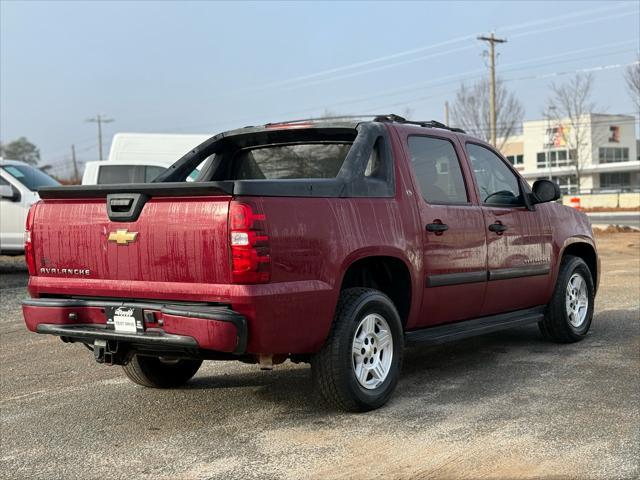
437	169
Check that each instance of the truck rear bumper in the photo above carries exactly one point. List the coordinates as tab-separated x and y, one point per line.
167	327
282	317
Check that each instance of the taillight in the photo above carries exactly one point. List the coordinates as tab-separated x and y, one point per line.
250	260
29	254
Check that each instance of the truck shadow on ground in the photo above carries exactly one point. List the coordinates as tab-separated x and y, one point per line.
12	264
464	371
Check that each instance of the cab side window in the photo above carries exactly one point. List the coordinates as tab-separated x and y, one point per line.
437	169
498	185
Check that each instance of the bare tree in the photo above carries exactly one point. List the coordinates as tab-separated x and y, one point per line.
470	111
329	113
407	112
569	107
632	77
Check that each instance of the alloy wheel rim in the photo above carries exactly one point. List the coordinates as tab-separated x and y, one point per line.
372	351
577	300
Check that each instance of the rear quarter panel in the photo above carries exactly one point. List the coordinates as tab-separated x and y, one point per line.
312	245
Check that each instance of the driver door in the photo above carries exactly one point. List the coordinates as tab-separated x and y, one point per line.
518	239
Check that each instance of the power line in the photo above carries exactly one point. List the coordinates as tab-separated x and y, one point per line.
413	51
439	80
434	82
365	63
54	151
406	53
531	77
254	120
294	82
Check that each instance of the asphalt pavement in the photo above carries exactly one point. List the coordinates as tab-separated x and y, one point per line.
507	405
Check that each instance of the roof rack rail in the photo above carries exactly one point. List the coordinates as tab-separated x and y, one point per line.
333	117
387	117
393	118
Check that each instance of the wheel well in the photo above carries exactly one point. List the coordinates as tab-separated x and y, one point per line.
587	253
390	275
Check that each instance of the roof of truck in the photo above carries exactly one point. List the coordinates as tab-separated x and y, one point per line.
344	121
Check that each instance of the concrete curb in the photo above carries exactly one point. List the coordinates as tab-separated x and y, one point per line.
613	214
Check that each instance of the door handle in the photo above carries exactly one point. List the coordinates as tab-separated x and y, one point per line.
497	227
438	228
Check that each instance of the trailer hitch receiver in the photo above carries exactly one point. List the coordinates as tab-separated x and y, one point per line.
105	351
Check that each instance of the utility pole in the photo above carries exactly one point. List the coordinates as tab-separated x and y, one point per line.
99	119
75	164
446	113
549	144
492	40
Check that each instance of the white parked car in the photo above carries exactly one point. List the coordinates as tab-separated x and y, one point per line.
19	183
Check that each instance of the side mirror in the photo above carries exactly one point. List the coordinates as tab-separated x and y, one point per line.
8	193
545	191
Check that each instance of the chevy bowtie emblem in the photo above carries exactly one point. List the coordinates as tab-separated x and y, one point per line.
122	237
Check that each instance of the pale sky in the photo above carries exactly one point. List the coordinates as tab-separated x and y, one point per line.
203	67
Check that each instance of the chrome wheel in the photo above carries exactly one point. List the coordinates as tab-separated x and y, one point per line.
577	300
372	351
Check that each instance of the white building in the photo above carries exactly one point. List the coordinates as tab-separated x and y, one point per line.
607	153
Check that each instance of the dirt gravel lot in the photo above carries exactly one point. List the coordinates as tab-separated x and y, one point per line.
507	405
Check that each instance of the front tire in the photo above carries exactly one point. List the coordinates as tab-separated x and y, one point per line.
359	365
154	372
570	311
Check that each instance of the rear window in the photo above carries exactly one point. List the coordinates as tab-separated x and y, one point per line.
30	177
299	161
152	172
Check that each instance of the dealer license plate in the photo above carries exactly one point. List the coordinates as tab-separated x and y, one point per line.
125	319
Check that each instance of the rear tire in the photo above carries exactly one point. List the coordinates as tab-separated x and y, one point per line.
155	373
359	365
570	311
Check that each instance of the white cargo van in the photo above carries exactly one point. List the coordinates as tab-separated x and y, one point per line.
152	147
139	157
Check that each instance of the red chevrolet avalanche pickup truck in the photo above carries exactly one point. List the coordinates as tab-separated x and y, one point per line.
333	242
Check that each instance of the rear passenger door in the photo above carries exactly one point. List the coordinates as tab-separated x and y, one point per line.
454	251
518	239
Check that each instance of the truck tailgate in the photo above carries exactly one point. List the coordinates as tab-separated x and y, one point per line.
181	240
